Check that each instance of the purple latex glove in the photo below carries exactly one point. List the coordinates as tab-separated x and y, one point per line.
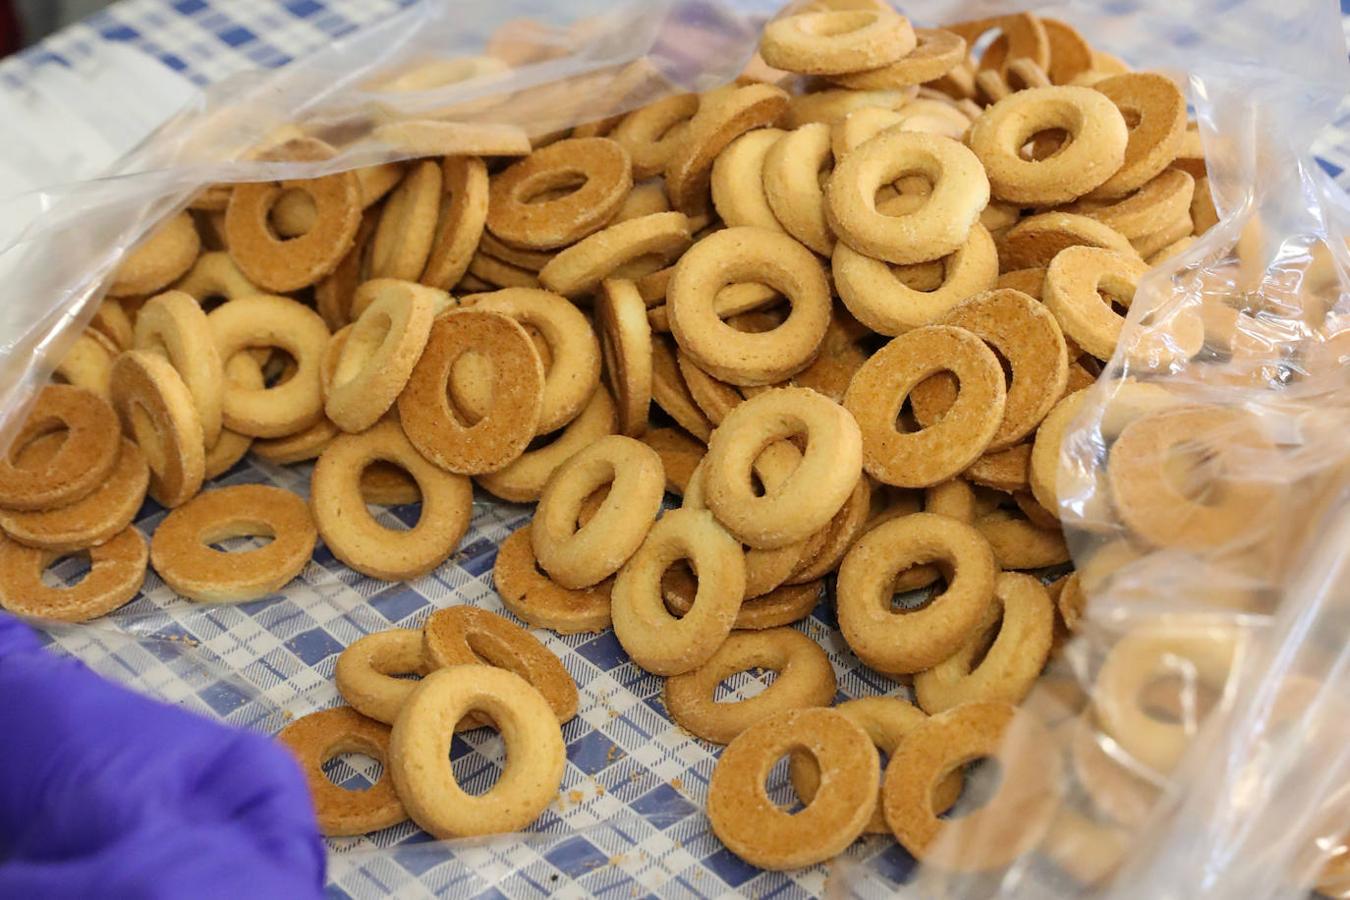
105	793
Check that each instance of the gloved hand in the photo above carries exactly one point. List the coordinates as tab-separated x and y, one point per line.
105	793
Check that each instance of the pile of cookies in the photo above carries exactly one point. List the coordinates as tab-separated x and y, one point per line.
845	308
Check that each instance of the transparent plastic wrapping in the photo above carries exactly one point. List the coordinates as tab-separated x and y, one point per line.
1192	733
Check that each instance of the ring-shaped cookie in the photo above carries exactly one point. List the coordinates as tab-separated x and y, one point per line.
755	828
262	320
468	635
116	570
1021	35
626	345
1159	108
913	641
1141	657
378	357
680	455
1091	154
655	639
215	276
738	180
430	137
651	134
884	303
836	42
403	239
180	548
419	757
523	480
1035	242
804	679
765	570
603	167
89	521
502	435
356	537
1012	663
1010	824
460	222
321	736
174	325
284	265
299	447
715	397
578	270
1074	283
111	320
1019	543
931	455
365	672
936	53
579	557
781	606
723	115
792	184
749	255
937	228
809	498
157	411
88	363
1234	507
844	529
887	720
1025	334
159	260
1165	198
671	393
536	599
83	461
1002	470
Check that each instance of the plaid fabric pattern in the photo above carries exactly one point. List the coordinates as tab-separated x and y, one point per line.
629	820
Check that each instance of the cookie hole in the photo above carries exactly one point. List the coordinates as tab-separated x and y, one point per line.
591	505
241	536
831	24
778	787
385	484
39	449
147	436
744	685
1177	698
678	587
67	570
981	780
279	368
1132	115
905	420
292	215
546	187
353	771
1194	471
1044	144
477	757
986	643
907	596
403	518
470	387
923	277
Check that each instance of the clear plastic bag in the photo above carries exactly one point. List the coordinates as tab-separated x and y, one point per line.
1239	795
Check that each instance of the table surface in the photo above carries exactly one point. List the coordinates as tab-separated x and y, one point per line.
629	820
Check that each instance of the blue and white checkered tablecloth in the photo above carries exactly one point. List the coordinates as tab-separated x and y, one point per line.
630	818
